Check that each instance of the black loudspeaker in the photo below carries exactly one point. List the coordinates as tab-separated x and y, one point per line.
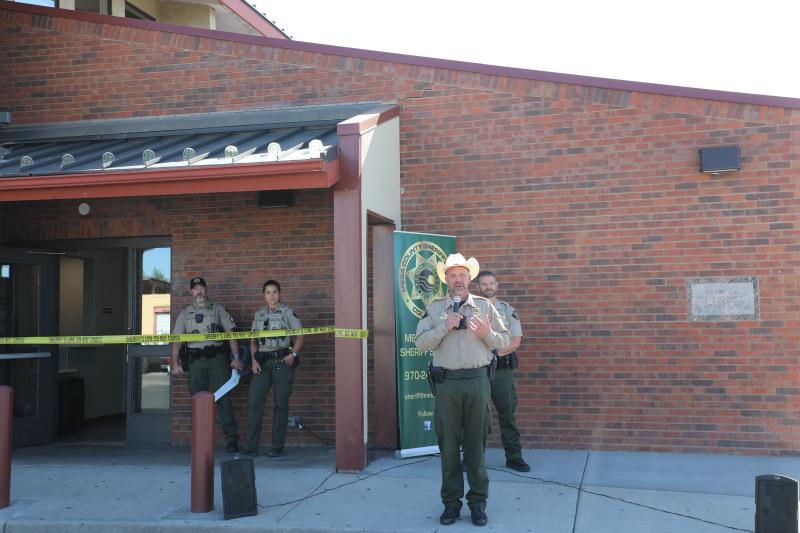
276	198
720	159
238	488
776	504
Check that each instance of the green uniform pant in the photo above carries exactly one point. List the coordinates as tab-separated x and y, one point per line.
504	397
210	373
462	418
280	377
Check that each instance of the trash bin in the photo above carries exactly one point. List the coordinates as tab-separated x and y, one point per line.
71	404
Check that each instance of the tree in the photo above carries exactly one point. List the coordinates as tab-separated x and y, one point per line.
157	274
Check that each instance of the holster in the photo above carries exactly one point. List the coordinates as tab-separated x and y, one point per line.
506	361
493	368
435	375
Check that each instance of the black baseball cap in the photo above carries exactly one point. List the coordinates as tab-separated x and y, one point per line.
197	281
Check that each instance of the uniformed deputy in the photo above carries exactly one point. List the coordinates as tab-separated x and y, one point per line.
504	389
274	361
462	329
209	364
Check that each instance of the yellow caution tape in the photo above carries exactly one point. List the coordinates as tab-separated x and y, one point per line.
186	337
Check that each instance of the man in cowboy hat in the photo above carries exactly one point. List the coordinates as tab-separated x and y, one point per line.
209	365
462	329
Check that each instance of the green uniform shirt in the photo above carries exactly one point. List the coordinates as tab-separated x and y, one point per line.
509	316
283	317
209	318
462	348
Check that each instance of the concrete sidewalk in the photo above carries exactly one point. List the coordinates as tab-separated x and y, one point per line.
123	488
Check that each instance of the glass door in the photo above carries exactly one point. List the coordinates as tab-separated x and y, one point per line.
28	300
148	418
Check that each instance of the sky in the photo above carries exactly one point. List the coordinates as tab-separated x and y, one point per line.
156	258
734	45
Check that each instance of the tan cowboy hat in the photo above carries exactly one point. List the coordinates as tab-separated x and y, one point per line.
457	260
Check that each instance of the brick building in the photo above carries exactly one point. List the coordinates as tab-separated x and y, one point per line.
659	304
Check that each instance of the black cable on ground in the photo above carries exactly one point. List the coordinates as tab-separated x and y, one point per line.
623	500
578	499
331	489
329	442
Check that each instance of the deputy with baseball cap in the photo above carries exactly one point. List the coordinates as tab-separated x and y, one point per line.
462	329
209	364
504	388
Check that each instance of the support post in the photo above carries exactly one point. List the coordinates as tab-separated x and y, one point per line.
6	425
203	411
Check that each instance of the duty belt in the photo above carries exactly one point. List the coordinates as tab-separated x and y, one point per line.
466	373
208	351
276	354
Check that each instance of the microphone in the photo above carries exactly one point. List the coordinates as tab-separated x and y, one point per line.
456	302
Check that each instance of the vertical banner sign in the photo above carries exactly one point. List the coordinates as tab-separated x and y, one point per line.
416	285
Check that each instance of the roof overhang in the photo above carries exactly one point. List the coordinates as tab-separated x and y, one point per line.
174	155
312	174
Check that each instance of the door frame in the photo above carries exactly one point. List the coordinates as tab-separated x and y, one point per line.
42	428
144	428
138	428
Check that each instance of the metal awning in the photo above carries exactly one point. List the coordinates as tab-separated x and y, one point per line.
230	147
262	149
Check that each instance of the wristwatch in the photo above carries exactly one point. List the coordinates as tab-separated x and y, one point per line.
294	355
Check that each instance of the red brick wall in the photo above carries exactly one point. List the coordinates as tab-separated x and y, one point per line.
586	202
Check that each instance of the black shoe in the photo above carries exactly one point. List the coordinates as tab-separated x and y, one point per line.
448	517
479	517
232	447
518	464
275	453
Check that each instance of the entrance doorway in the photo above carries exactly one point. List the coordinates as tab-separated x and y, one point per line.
101	393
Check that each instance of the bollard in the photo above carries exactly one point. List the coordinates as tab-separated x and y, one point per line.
203	410
6	425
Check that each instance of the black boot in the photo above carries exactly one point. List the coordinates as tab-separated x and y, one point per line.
479	517
451	512
518	464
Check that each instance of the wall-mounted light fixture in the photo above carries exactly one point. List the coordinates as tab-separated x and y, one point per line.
273	151
231	151
84	208
315	148
67	160
108	159
720	159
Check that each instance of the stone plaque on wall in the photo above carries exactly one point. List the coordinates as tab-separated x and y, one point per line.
718	299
